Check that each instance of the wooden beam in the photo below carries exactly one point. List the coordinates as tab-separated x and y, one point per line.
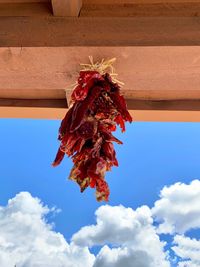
149	73
37	103
138	115
22	1
26	9
32	112
177	9
157	57
103	10
161	83
117	2
131	31
161	105
132	104
66	8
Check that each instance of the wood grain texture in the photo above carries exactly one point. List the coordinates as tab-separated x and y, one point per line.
26	9
36	103
32	112
132	104
107	1
118	2
138	115
55	32
66	8
170	105
23	1
149	73
148	9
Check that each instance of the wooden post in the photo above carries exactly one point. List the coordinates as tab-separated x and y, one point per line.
66	8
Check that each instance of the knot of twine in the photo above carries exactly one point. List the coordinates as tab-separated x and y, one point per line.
103	67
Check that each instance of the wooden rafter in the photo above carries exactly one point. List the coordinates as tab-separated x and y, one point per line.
22	1
56	32
99	8
159	9
157	46
157	79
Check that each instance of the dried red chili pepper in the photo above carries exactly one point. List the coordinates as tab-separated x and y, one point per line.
86	131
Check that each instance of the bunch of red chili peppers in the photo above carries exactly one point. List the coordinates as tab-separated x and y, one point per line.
86	131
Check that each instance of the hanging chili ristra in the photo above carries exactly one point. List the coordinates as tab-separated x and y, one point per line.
86	131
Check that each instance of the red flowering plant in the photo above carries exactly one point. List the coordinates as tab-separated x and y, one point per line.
85	133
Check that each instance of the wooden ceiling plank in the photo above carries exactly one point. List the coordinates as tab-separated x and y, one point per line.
57	32
138	115
22	1
26	9
37	103
132	104
66	8
158	59
142	10
149	73
118	2
161	83
102	10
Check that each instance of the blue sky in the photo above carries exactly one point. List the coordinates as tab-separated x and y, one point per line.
153	155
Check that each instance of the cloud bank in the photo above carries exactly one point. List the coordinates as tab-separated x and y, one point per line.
27	240
131	231
127	237
178	209
187	249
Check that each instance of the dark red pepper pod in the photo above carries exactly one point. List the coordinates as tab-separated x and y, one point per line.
85	133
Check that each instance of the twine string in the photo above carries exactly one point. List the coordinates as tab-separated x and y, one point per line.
103	67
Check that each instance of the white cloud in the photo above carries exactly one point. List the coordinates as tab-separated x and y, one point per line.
188	250
133	233
125	256
115	225
127	237
178	209
28	241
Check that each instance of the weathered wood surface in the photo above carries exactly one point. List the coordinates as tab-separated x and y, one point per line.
99	2
69	8
132	104
55	32
149	73
139	9
138	115
117	2
26	9
22	1
75	8
157	46
158	80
